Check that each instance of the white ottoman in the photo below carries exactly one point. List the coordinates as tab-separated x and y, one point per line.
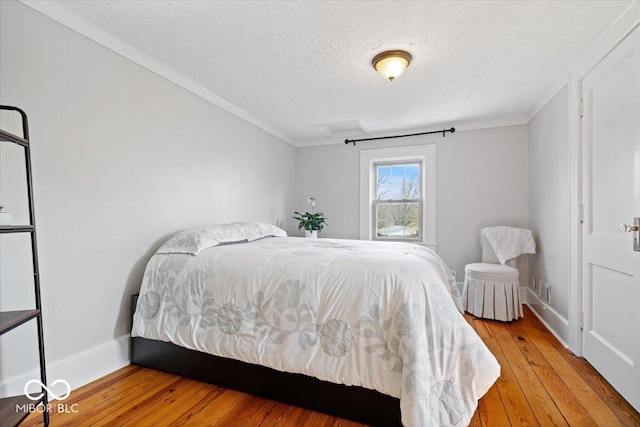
492	291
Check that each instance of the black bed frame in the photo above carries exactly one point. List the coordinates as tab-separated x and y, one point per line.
350	402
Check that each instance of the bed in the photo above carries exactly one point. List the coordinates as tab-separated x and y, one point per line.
365	330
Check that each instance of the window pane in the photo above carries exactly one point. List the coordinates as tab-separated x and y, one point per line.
383	174
411	185
382	217
412	172
398	220
398	182
390	180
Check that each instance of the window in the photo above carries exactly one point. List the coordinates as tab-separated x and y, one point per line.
397	205
397	194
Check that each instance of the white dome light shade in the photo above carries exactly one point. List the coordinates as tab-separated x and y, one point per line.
391	64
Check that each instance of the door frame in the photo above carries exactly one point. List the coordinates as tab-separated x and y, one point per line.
613	36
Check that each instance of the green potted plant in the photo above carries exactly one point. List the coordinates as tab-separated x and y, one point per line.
312	223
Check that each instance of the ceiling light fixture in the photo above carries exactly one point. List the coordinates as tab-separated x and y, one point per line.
392	63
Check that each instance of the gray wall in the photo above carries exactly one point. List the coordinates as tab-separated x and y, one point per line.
549	190
482	180
122	159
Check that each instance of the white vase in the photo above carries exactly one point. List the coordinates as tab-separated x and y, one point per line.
313	234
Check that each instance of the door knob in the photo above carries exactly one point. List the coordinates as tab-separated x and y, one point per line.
635	228
624	228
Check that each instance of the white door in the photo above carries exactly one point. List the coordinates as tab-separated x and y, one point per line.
611	196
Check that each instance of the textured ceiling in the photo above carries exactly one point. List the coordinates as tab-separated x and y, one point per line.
301	66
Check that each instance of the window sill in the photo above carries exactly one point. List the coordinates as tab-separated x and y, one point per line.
431	245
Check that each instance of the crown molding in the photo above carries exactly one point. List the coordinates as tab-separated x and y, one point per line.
91	31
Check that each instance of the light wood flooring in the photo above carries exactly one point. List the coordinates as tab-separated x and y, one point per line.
541	384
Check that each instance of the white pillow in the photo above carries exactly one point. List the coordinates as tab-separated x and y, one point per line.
197	239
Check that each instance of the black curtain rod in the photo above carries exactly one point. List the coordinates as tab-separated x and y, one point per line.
443	132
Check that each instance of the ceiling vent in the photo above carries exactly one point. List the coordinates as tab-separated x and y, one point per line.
341	129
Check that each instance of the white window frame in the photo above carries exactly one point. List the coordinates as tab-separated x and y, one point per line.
426	156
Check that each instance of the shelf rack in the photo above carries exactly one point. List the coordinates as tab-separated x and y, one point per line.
14	409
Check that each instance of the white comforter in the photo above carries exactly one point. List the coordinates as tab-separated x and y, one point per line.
376	315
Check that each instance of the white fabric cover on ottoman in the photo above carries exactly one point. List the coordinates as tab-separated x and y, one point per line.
492	291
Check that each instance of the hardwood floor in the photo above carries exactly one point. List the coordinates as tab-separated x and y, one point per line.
541	384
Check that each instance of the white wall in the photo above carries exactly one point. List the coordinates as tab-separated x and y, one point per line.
122	159
549	209
482	180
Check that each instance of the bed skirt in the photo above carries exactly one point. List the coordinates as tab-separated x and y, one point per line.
492	300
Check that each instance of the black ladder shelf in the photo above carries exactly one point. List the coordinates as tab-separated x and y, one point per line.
13	410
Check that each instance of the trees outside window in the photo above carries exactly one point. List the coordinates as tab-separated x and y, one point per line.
397	206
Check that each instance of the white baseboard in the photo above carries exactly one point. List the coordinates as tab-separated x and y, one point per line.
524	294
551	319
78	369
